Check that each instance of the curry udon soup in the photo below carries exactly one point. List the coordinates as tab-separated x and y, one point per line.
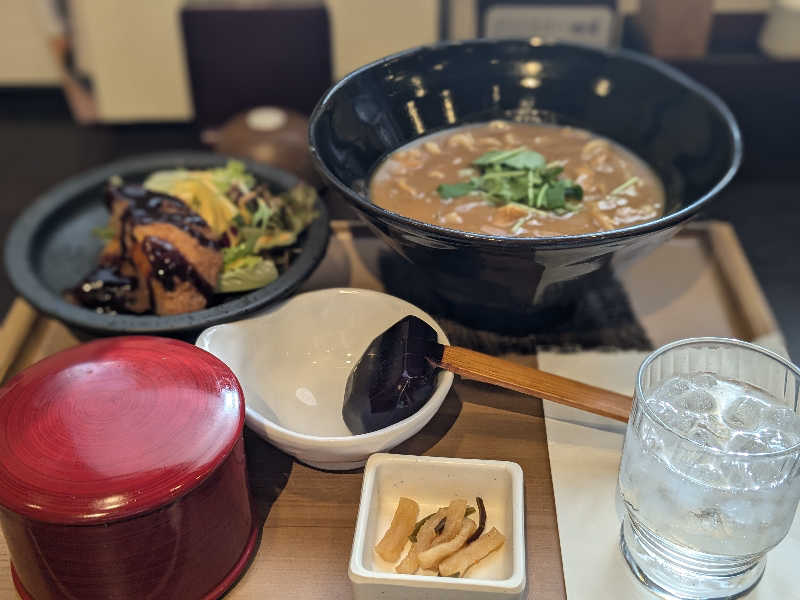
512	179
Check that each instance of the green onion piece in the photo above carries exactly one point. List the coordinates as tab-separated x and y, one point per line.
517	227
541	201
530	188
627	184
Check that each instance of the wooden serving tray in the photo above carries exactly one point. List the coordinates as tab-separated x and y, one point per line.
699	283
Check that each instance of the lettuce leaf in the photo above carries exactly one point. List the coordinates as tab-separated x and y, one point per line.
233	172
247	273
300	211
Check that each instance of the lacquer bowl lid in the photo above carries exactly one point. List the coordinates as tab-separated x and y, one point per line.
114	428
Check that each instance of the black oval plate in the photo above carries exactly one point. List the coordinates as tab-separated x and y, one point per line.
50	248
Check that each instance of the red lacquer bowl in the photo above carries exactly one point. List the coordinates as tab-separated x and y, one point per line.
122	474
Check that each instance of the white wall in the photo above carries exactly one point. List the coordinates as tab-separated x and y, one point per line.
143	76
25	58
365	30
133	51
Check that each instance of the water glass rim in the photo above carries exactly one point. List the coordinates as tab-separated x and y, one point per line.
639	392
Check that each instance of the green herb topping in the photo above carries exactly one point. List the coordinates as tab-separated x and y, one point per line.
520	176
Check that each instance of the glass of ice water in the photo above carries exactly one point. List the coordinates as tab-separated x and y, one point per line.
710	471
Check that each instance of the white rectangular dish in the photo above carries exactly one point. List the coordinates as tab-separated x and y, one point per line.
433	482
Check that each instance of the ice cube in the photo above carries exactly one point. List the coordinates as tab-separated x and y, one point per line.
706	471
665	412
766	472
784	419
652	440
653	445
697	401
747	443
704	381
706	433
670	388
720	431
777	439
743	414
735	474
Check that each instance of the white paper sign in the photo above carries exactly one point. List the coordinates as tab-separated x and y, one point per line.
593	25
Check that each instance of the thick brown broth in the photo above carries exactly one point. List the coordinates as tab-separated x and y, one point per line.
406	182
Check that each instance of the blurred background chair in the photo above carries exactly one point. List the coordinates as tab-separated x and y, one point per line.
242	57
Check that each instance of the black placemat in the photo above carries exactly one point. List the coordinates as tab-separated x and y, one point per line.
599	317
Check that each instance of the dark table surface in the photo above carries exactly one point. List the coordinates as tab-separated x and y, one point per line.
40	145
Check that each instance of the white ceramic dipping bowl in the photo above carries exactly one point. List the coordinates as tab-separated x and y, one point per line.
293	362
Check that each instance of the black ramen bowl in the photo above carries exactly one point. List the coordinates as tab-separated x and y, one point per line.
685	133
50	248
